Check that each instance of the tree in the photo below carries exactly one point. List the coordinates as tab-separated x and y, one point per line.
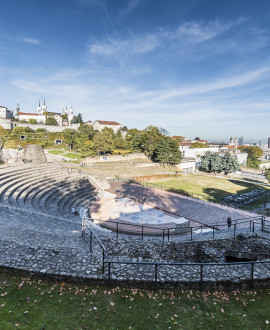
87	148
32	121
267	174
163	131
199	145
150	138
51	121
229	164
69	137
254	153
103	142
167	151
134	139
211	162
19	129
77	119
87	131
179	139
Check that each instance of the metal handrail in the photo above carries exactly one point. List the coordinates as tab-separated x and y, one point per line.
167	232
199	264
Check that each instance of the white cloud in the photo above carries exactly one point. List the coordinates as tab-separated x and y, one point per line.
133	45
197	32
131	5
30	40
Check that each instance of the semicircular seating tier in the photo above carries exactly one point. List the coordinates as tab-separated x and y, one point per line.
46	188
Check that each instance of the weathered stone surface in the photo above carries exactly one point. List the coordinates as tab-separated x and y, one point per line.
34	154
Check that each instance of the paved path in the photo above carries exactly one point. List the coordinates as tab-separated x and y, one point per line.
206	213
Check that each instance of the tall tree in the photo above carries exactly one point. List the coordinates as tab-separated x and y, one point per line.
150	138
134	138
211	162
254	153
229	164
51	121
69	137
167	151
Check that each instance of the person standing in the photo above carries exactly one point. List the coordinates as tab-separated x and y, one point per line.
229	222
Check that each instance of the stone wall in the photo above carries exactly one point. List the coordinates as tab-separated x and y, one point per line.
34	154
52	129
115	158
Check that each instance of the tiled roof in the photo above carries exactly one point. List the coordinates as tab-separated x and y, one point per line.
103	122
184	144
26	114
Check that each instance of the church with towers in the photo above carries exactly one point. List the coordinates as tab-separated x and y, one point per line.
63	118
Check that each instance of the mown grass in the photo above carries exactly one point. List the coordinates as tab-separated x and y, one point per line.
56	152
38	304
208	186
72	155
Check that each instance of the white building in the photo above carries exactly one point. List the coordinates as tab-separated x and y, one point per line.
43	113
100	124
5	113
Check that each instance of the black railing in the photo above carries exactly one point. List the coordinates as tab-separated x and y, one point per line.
187	233
201	267
94	242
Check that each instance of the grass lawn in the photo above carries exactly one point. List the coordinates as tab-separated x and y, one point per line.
56	152
208	186
37	304
72	155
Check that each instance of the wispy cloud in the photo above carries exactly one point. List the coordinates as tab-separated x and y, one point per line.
192	33
197	32
30	40
131	5
133	44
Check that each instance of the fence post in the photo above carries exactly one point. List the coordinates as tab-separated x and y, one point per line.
117	229
156	273
263	220
82	226
103	264
163	235
168	234
201	277
250	225
109	272
252	276
234	229
253	224
191	233
213	231
91	237
142	233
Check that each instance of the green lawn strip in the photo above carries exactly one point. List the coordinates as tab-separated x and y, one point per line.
56	152
215	188
35	304
72	155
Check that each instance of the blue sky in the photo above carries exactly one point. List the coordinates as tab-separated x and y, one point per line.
195	67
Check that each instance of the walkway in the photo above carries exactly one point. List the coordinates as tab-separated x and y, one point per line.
203	212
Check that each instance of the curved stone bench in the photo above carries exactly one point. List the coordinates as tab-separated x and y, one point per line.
18	189
8	181
32	190
50	201
84	198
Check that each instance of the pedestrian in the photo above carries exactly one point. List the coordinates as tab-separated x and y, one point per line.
74	212
229	222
